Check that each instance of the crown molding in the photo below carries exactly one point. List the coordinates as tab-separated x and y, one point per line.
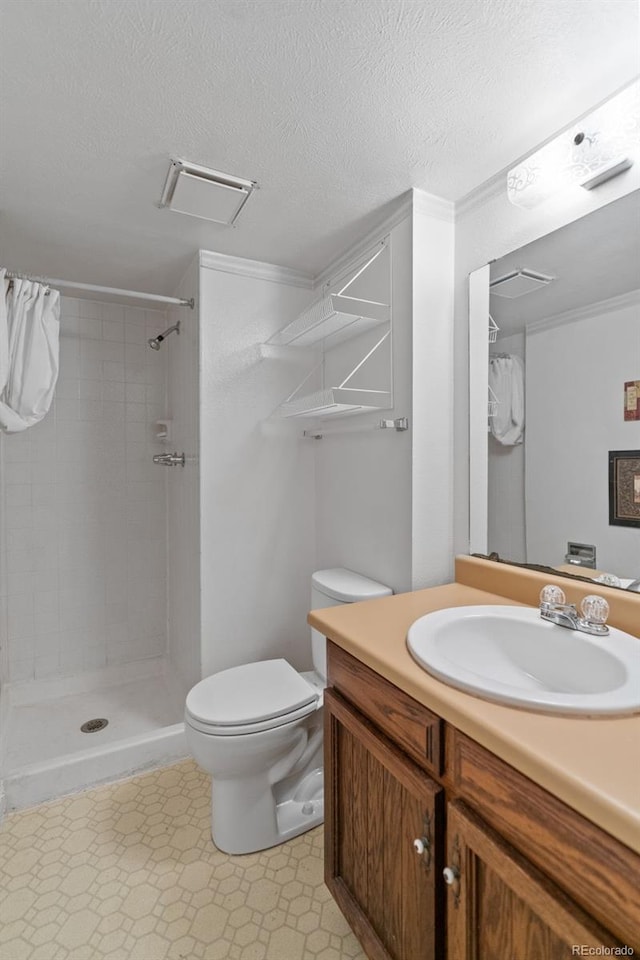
373	236
481	194
255	269
413	200
433	206
612	305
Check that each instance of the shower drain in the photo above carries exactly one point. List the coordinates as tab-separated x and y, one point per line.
92	726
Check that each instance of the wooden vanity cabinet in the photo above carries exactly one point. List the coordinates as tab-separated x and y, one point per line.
500	907
499	862
383	847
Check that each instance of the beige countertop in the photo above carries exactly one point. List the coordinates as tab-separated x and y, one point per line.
593	765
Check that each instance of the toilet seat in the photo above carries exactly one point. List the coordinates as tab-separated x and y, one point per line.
249	698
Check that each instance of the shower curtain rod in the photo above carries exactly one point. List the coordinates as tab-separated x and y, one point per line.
116	291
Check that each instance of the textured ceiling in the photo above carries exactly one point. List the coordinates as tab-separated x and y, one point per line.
336	107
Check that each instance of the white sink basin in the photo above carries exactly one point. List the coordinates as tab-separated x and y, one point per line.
510	655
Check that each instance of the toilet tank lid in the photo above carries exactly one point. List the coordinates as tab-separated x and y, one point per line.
342	584
249	694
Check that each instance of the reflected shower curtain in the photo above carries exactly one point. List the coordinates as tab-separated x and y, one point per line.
506	380
29	350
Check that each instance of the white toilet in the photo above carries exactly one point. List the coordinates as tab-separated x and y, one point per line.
257	729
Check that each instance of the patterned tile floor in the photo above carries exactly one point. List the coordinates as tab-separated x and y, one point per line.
128	872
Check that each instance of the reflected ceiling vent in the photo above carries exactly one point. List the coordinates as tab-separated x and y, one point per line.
517	283
204	193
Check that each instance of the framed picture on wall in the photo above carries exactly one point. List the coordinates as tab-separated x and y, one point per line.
632	400
624	488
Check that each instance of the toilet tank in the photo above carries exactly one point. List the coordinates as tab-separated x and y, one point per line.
330	588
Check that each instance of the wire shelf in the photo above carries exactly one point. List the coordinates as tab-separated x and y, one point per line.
332	316
335	401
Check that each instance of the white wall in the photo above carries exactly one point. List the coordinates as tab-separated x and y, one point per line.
363	478
384	499
84	507
275	506
506	526
257	483
183	488
581	365
433	391
488	227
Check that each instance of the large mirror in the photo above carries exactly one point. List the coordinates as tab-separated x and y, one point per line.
563	412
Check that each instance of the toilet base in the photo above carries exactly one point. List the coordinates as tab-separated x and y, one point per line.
304	810
290	815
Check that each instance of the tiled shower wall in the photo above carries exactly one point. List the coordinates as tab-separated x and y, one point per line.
84	531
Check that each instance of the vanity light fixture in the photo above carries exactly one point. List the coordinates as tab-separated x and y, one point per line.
205	193
600	146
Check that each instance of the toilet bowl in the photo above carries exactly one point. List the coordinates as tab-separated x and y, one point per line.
257	729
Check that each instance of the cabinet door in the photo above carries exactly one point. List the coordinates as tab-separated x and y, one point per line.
500	907
378	803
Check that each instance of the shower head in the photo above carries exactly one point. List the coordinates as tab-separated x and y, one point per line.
156	342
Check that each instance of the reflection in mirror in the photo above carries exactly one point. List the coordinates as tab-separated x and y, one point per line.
568	311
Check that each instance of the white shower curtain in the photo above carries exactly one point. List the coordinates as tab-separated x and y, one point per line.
29	350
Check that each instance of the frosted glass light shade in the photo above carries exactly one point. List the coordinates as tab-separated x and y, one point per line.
596	146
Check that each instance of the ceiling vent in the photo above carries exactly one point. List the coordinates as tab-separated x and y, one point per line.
204	193
517	283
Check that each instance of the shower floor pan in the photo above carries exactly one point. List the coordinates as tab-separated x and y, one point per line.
45	753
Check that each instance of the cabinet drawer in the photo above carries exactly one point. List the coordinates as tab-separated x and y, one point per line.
409	724
595	869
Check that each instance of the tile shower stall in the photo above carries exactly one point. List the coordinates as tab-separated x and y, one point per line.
85	609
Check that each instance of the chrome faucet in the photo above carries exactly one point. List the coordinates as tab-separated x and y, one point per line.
594	610
564	614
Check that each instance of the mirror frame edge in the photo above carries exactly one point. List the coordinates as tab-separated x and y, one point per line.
478	449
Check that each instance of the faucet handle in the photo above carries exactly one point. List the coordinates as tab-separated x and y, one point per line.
552	595
594	610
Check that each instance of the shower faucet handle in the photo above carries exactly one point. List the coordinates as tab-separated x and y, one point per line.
170	459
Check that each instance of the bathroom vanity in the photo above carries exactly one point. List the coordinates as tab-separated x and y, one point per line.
458	828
